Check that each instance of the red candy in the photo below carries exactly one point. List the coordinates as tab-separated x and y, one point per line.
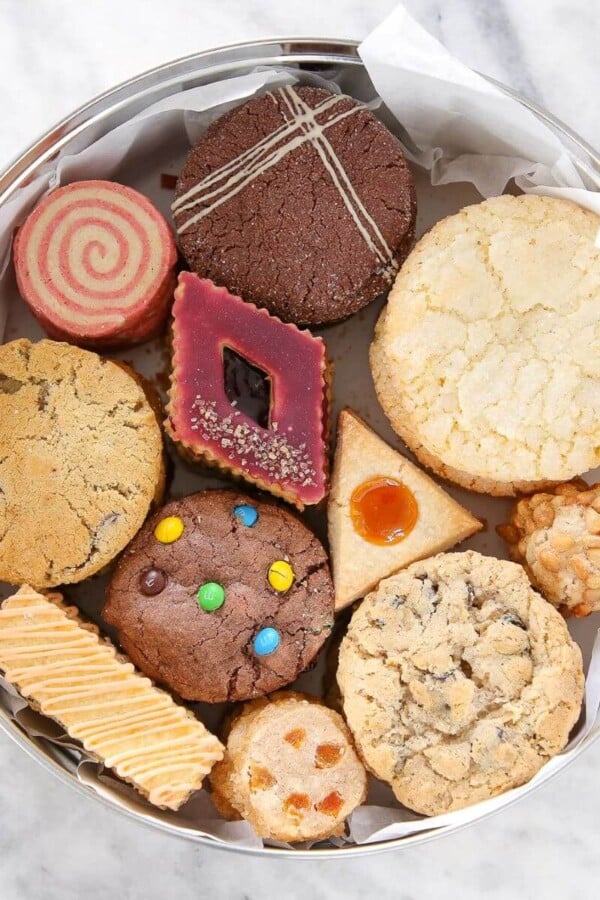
94	261
288	457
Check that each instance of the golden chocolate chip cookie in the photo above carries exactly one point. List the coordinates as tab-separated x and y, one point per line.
81	460
459	681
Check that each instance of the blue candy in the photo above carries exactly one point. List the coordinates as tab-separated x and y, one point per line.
247	515
266	641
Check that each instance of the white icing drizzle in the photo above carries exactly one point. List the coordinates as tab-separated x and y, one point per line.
340	178
242	165
302	127
71	674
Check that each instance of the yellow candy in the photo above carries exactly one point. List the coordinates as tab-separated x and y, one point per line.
281	576
169	530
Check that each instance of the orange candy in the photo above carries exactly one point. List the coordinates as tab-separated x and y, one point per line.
383	511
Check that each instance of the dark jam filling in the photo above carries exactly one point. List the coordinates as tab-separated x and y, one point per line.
247	387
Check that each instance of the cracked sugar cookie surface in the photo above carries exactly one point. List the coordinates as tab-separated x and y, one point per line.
459	681
236	570
486	359
556	536
81	461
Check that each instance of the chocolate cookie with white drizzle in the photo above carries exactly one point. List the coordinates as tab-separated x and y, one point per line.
301	201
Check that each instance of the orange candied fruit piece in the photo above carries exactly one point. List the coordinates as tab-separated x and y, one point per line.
297	801
330	805
327	755
296	737
261	779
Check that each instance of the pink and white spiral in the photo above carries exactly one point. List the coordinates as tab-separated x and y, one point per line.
94	261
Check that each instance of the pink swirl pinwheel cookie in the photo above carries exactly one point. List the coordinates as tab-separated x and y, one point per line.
94	262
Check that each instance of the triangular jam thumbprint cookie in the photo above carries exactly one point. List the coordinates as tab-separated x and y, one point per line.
249	393
384	513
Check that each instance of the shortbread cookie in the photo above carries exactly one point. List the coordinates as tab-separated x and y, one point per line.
383	512
484	358
95	263
222	597
290	769
459	681
300	201
81	461
556	536
68	672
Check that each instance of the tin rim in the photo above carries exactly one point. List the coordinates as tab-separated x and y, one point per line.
114	107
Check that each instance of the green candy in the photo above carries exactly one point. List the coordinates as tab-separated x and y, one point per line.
211	596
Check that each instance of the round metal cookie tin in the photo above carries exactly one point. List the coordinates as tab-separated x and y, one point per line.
335	60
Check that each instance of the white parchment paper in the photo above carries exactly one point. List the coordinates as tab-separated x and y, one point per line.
454	124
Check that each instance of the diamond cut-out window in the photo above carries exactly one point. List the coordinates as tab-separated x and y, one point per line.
247	387
249	393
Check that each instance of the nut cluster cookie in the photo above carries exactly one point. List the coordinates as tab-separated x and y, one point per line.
459	681
556	536
290	769
222	597
81	462
483	358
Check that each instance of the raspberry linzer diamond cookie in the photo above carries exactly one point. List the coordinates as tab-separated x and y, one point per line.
283	451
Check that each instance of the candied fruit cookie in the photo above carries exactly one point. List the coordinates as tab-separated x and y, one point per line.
459	681
290	769
556	537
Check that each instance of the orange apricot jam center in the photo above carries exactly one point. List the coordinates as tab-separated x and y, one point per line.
383	510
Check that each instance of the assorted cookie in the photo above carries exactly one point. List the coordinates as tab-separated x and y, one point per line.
383	512
459	681
259	198
290	769
68	672
95	263
482	358
280	442
81	461
222	597
556	537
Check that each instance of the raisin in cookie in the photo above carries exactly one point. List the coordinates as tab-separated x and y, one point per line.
290	769
483	358
458	680
556	536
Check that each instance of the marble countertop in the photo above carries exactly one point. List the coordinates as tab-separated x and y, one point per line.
56	54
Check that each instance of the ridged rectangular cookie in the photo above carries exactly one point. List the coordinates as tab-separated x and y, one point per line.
69	672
